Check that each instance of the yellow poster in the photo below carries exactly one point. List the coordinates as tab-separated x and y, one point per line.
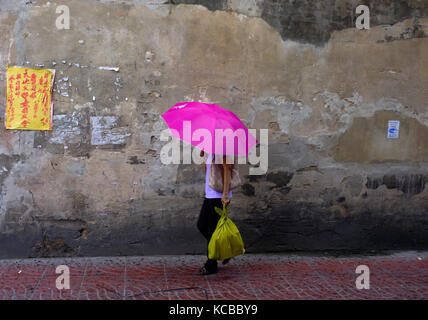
29	105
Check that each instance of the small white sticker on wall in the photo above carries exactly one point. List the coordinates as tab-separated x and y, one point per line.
393	129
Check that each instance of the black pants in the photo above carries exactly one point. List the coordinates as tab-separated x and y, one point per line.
207	223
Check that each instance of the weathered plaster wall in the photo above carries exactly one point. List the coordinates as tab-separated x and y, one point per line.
325	90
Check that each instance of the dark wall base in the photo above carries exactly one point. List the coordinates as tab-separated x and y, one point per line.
293	228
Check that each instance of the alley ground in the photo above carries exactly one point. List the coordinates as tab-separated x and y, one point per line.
402	275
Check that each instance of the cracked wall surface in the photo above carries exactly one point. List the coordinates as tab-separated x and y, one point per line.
95	185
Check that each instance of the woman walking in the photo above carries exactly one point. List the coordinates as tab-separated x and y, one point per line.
191	117
208	218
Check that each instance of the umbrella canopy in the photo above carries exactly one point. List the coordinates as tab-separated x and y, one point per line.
210	128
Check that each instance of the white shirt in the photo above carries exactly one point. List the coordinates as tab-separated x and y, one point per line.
209	192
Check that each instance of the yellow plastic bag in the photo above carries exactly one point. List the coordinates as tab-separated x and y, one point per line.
226	241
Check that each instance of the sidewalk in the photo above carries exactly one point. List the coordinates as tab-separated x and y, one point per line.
402	275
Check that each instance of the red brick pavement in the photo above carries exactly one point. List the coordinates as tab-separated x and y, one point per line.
274	277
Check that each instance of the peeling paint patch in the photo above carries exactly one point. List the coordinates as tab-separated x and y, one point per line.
409	184
66	129
105	131
109	68
289	112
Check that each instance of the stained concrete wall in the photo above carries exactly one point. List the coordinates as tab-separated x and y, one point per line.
325	90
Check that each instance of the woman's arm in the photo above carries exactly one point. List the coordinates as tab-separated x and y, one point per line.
227	169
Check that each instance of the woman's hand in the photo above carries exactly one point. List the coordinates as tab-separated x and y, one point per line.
225	200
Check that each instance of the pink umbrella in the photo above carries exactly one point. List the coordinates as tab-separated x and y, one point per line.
210	128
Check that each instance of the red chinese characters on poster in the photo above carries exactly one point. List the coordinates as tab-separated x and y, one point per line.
29	98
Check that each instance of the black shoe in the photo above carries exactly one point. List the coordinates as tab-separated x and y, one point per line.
204	271
226	261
